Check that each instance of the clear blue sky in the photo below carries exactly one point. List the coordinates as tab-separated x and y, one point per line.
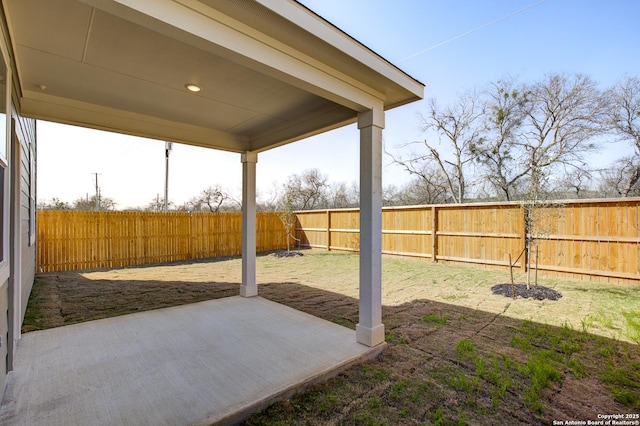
595	37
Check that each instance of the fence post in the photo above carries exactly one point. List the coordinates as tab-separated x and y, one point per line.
434	234
328	230
523	239
190	236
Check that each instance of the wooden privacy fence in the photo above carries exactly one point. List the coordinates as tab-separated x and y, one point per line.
74	240
590	240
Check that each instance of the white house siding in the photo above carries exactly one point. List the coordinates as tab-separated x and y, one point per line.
4	332
19	216
26	133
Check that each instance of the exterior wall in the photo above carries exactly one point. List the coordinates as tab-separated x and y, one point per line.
4	332
21	172
17	212
6	335
26	134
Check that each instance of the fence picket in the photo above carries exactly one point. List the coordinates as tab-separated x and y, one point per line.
73	240
585	239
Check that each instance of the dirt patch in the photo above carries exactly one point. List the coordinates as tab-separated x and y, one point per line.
70	298
456	354
538	292
288	254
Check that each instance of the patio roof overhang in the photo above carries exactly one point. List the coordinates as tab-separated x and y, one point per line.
270	71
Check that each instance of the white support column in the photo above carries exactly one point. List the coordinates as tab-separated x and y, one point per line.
248	288
370	330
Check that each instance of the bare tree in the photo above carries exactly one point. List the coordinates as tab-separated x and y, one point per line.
563	114
435	186
54	204
268	199
307	191
288	218
428	188
574	183
212	199
553	125
157	205
458	125
89	203
342	195
497	150
390	195
619	180
624	119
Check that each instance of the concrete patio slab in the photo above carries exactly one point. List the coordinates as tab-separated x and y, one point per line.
213	362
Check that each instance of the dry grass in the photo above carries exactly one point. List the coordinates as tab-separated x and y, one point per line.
457	354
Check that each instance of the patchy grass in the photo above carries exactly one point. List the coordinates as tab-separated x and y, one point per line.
633	325
436	317
456	353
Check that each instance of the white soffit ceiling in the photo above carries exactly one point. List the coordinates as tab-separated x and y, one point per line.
265	80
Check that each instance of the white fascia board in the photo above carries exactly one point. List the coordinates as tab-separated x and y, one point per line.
197	24
68	111
297	13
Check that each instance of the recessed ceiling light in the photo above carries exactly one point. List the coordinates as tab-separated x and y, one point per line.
192	87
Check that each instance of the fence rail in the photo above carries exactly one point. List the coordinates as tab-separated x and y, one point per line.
587	239
75	240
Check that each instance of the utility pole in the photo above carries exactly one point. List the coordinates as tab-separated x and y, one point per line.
167	149
97	192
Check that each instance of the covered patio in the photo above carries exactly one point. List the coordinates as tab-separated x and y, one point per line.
212	362
242	76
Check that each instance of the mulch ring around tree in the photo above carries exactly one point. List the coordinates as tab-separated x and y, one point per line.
288	254
537	292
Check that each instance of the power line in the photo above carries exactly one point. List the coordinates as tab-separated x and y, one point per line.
471	31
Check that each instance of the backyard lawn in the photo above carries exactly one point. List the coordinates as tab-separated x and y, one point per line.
457	354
